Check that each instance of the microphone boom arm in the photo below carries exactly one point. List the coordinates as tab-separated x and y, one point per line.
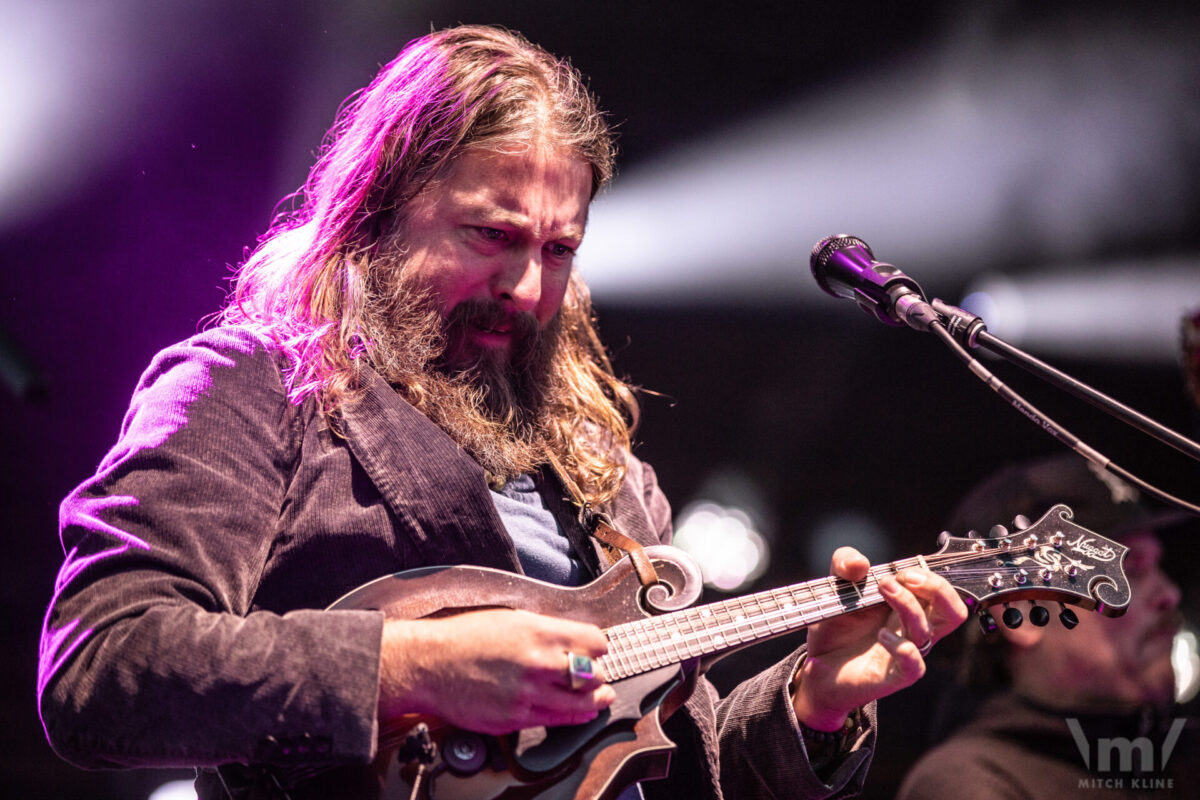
968	329
942	329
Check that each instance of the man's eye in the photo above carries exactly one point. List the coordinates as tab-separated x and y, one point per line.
492	234
561	251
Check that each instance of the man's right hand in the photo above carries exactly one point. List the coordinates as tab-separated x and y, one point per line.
492	671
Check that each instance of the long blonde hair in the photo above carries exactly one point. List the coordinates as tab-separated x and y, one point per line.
307	284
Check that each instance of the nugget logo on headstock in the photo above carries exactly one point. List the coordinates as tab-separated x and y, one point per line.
1083	545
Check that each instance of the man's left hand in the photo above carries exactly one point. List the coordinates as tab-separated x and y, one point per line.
863	656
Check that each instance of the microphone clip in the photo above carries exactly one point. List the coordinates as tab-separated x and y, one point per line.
964	326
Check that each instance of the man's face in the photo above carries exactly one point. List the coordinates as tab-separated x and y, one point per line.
1125	659
494	242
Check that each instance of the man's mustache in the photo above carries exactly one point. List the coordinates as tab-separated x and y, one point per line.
484	314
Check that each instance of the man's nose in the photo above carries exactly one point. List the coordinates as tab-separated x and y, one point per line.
1166	595
1173	595
519	284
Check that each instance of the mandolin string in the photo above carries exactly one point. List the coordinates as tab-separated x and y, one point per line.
644	640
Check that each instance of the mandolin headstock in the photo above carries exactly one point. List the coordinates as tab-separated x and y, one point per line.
1052	559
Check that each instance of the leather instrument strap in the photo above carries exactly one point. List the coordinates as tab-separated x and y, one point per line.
612	537
600	526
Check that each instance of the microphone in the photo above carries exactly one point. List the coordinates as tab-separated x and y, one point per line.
844	266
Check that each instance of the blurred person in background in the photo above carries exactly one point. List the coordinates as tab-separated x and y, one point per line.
1087	712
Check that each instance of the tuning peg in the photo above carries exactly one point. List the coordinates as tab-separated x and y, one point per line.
973	534
464	751
943	537
987	623
1021	522
1067	617
1012	616
997	532
1039	615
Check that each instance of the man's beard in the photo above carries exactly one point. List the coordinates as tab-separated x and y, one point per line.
513	379
493	402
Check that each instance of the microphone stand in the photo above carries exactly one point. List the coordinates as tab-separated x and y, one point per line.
959	329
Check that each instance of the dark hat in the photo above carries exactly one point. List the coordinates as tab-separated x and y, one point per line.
1102	502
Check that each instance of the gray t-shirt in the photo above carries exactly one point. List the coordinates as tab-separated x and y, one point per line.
542	545
543	549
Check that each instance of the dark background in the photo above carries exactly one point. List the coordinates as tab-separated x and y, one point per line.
194	118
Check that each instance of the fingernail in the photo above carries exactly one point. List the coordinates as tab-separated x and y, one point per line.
889	637
913	578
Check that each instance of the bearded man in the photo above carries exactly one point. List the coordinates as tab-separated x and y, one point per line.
407	375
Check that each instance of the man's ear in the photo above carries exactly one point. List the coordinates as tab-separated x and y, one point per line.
1026	635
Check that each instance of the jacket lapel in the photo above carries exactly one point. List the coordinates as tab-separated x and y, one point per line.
438	493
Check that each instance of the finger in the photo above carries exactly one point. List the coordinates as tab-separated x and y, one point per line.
572	708
946	610
914	624
576	637
582	674
849	564
906	658
586	638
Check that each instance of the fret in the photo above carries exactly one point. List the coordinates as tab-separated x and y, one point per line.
651	641
768	613
870	586
638	637
745	618
780	619
725	630
794	603
707	621
840	594
772	615
694	629
757	613
616	652
886	569
787	613
660	639
630	649
650	644
674	636
816	602
797	615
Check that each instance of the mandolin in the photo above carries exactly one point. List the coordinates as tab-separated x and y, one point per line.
658	643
